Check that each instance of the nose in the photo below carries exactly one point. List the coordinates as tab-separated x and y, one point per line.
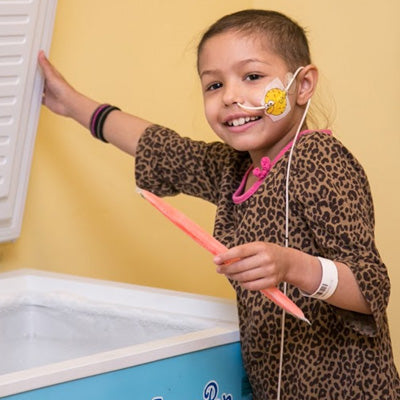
232	94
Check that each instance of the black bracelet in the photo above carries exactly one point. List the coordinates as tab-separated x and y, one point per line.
98	119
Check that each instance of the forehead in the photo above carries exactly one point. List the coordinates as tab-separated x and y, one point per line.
233	47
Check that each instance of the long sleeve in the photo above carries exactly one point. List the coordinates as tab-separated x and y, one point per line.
168	164
333	190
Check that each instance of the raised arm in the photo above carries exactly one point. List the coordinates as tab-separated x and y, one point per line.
120	129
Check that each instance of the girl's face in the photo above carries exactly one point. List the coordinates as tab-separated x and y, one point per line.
236	68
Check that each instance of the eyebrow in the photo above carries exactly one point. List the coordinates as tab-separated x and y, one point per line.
240	63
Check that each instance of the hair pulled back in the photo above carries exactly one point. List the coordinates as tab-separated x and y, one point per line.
286	38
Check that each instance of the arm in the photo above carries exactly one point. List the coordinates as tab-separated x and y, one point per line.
121	129
263	265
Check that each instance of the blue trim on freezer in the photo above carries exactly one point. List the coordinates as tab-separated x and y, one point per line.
213	374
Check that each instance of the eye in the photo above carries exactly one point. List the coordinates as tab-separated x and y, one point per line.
213	86
253	77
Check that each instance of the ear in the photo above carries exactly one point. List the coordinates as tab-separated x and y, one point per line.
308	78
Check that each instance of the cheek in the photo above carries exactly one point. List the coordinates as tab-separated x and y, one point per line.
210	111
211	114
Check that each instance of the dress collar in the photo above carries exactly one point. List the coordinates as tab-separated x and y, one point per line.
261	173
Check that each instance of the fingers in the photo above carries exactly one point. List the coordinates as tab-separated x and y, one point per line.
57	92
43	61
253	265
251	273
49	71
238	252
245	270
43	64
41	55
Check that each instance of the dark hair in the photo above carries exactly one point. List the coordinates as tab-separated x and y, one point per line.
285	36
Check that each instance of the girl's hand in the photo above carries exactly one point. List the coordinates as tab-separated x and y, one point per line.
120	129
259	265
57	94
255	266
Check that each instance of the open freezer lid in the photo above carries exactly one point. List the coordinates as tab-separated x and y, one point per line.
25	27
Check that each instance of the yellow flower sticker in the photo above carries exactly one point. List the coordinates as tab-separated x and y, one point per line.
275	101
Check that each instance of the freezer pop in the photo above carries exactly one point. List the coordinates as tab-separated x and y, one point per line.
215	247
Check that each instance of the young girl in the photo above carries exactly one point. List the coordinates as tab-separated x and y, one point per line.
293	207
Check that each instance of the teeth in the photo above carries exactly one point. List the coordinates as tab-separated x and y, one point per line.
241	121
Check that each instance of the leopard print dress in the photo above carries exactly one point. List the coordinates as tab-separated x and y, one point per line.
342	355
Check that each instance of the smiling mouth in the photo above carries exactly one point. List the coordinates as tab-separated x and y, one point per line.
241	121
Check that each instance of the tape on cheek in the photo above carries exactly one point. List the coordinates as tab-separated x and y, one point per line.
276	101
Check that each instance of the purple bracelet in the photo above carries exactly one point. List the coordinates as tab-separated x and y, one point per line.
98	119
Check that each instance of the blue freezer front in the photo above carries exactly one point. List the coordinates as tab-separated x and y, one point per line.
212	374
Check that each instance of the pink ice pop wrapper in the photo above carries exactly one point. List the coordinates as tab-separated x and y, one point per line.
215	247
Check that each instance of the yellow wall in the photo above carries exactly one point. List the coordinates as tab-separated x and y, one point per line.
82	213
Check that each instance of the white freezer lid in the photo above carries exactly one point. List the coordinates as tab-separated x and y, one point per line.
25	28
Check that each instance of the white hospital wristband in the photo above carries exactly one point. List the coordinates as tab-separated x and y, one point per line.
329	280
